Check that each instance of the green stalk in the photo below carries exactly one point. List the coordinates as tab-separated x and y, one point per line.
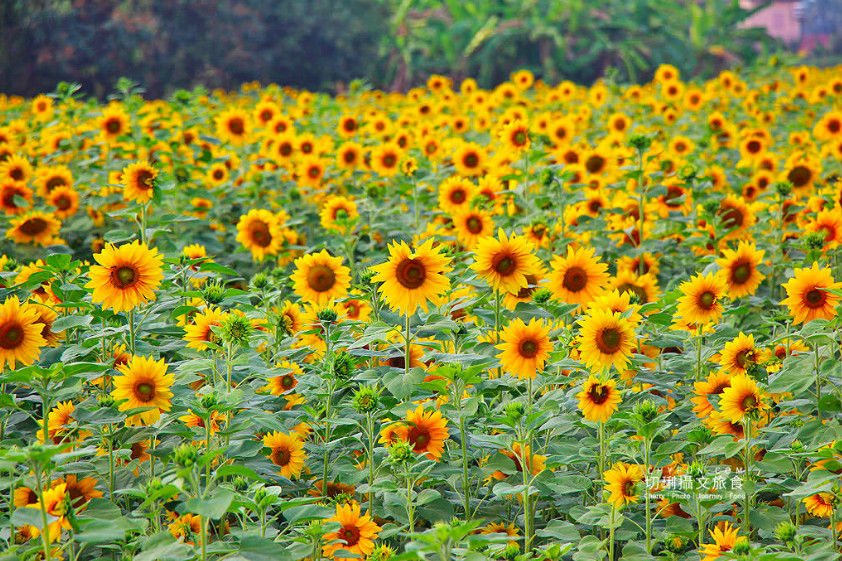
747	462
45	531
370	424
408	340
818	382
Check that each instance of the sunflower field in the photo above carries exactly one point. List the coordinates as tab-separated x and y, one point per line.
542	321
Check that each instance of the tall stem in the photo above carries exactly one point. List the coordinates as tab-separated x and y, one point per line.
45	530
646	445
408	340
601	458
611	534
131	331
746	484
370	426
143	224
699	353
466	485
818	381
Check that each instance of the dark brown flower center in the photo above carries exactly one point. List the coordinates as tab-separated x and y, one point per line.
608	340
504	264
389	160
11	335
260	234
351	535
145	179
814	298
741	272
280	456
145	392
528	348
520	138
321	278
749	402
33	226
458	196
800	176
594	163
598	394
123	277
731	217
470	160
411	273
743	357
16	173
474	225
634	289
575	279
420	438
754	146
834	125
237	126
287	381
628	488
63	202
113	126
350	125
707	300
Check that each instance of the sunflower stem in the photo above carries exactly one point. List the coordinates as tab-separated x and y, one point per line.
497	299
699	353
818	381
408	340
611	534
647	444
833	529
370	427
466	486
641	204
131	330
746	484
601	457
45	530
143	224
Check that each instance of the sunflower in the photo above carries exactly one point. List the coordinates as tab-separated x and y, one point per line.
828	223
278	385
620	481
503	262
578	278
426	431
535	463
338	214
349	156
739	269
198	333
598	400
20	333
9	190
820	504
470	159
715	384
260	232
605	338
356	534
311	171
643	287
60	416
39	228
46	317
287	451
525	347
455	194
738	355
735	216
616	301
472	224
515	136
701	302
114	122
126	276
78	491
355	309
16	168
386	159
233	125
348	126
54	502
66	201
724	539
807	294
742	398
138	181
188	527
320	279
144	383
411	278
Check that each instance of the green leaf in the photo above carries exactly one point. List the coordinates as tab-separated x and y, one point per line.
162	547
66	322
213	507
255	548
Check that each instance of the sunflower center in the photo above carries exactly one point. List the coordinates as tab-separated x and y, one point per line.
749	402
799	176
389	160
350	125
731	217
834	126
411	273
281	456
474	225
145	391
743	357
11	335
741	273
608	340
628	488
707	300
634	289
113	126
598	394
528	348
458	196
351	535
285	149
398	362
814	298
260	234
321	278
520	138
575	279
673	194
62	203
287	381
753	146
123	277
33	226
471	160
314	172
16	173
237	126
595	163
504	264
419	438
352	310
218	174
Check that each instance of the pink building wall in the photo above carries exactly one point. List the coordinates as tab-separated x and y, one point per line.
778	19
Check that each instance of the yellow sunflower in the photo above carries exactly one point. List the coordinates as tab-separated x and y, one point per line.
126	276
386	159
620	482
470	159
39	228
471	225
234	126
739	269
287	451
198	333
578	278
455	194
285	382
338	214
320	279
738	355
144	382
724	540
701	302
743	397
138	181
807	294
715	384
9	191
260	232
355	535
20	333
605	338
503	262
411	278
820	504
525	347
598	400
426	431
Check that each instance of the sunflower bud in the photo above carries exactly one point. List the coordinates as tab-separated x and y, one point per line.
542	296
814	240
11	264
236	330
343	365
373	192
327	315
260	281
461	328
213	293
382	553
674	543
742	547
294	195
400	452
688	172
315	529
210	401
186	456
366	276
240	483
260	494
783	188
797	446
105	401
514	410
154	485
785	532
547	177
409	166
366	399
511	552
710	207
647	411
640	142
696	470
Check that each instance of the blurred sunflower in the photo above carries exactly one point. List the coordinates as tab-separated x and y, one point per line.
138	181
260	232
20	333
36	227
525	347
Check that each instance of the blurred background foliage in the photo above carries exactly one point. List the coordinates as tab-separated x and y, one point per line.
393	44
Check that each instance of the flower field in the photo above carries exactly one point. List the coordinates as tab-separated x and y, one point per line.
535	322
